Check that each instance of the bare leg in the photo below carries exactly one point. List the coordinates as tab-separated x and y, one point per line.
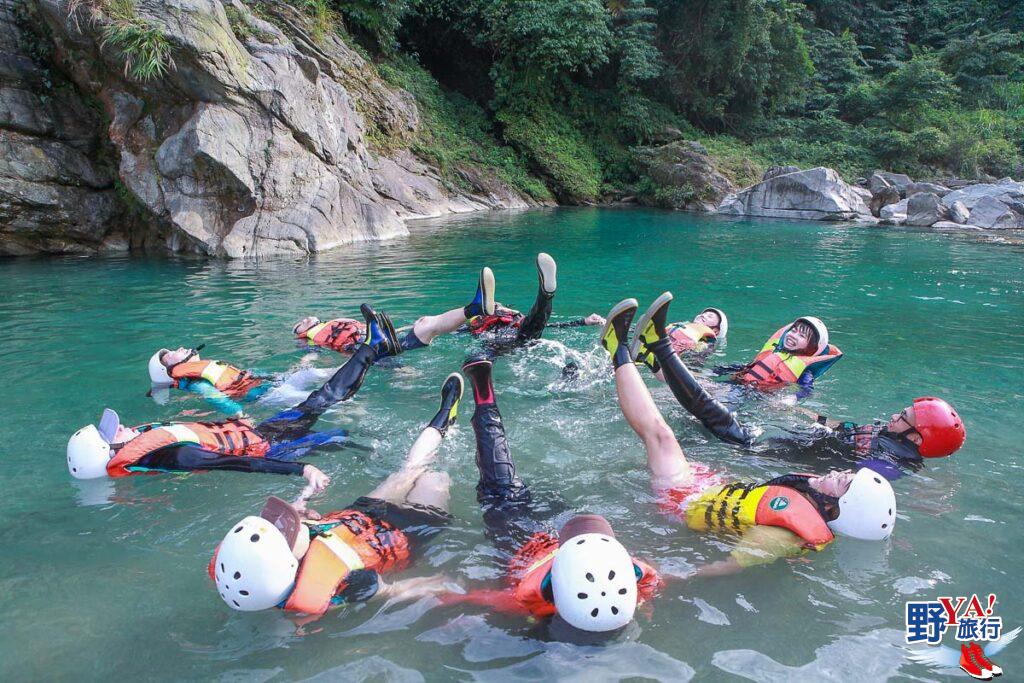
665	458
430	326
397	486
431	488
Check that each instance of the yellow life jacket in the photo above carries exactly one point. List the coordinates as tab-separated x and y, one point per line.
735	508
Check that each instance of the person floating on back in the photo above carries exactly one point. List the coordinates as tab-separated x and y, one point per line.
306	563
782	517
693	341
224	386
583	574
343	334
273	446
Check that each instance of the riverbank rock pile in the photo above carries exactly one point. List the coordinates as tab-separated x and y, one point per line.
254	141
817	194
992	206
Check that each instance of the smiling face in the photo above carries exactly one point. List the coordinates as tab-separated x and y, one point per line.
172	358
904	423
799	337
834	484
709	318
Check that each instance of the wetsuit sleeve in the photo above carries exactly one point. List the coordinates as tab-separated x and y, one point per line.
806	383
765	544
215	397
190	458
578	322
360	586
728	369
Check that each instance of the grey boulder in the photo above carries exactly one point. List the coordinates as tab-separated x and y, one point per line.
897	180
991	213
814	194
972	194
889	211
959	213
934	188
776	171
886	196
924	209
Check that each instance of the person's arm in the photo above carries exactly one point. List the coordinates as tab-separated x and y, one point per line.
759	545
590	320
819	419
414	589
728	369
806	384
217	398
191	458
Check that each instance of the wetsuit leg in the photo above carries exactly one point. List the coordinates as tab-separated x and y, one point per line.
692	396
505	500
298	421
536	320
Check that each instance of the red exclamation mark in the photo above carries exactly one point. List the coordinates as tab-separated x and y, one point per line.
991	602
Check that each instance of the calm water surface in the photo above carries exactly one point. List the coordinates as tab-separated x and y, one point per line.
107	579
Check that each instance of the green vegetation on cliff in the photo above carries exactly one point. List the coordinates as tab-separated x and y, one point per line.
927	87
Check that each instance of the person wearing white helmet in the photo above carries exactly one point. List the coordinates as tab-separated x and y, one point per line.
782	517
273	446
343	334
291	557
798	353
583	575
223	385
694	340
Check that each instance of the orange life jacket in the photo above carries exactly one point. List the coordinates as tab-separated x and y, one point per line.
532	564
225	378
356	542
773	368
338	335
690	336
231	437
479	324
737	507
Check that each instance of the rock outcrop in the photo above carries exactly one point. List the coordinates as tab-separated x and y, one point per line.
924	209
814	194
884	197
680	175
898	180
959	213
776	171
255	140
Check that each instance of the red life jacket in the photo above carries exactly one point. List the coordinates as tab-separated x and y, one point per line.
480	324
338	335
231	437
356	542
774	368
532	564
225	378
690	336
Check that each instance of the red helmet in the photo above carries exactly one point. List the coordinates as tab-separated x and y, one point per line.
941	429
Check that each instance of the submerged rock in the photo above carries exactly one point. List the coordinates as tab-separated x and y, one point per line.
814	194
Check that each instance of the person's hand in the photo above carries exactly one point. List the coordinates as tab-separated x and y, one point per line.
594	319
421	587
318	481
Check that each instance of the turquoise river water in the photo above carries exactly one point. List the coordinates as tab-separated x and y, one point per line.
104	580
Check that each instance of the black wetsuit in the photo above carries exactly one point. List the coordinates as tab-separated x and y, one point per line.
289	432
511	516
865	446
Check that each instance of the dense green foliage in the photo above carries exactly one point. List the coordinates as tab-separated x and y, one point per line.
930	87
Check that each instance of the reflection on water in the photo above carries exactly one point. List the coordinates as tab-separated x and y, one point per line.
94	572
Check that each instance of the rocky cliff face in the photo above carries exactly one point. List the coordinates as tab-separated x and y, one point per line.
252	142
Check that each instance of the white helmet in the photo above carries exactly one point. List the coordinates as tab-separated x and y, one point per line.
723	325
158	371
868	508
594	583
88	454
255	568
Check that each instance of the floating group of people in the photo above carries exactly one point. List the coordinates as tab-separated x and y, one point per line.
291	557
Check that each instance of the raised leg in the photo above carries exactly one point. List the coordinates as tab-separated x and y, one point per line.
536	319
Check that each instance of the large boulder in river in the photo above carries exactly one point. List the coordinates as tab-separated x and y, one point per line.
970	195
680	175
989	212
884	197
959	213
815	194
897	180
925	208
934	188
